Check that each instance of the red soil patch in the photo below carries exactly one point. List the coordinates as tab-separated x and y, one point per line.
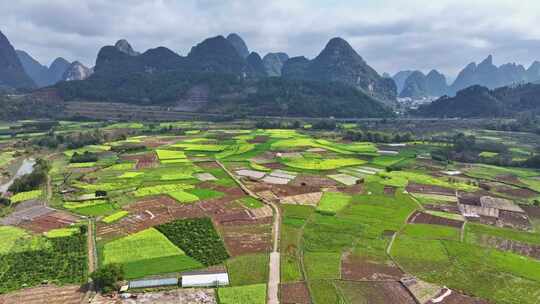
424	218
148	213
429	189
54	220
520	248
352	190
314	181
208	165
294	293
389	190
259	140
520	193
359	269
390	292
532	211
45	294
247	239
275	166
443	208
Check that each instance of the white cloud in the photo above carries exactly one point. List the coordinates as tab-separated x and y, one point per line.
390	35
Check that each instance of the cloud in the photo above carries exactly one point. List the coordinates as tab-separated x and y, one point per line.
390	34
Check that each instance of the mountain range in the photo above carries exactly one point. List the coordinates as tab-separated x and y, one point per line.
12	74
339	62
480	101
216	77
415	84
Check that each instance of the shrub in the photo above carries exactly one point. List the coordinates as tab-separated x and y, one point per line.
106	277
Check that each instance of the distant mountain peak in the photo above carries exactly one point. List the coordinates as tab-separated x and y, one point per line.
273	63
76	71
123	46
12	73
487	61
239	44
339	62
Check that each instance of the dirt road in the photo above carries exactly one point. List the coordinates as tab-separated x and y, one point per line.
274	266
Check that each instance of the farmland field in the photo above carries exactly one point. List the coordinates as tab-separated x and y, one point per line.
147	252
355	216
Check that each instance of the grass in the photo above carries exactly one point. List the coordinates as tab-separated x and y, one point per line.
488	154
386	160
491	172
500	277
248	269
170	154
200	147
447	215
324	291
402	179
431	232
161	189
475	232
61	232
320	163
26	196
183	196
205	194
333	202
251	203
114	217
15	239
147	252
90	208
250	294
130	174
322	265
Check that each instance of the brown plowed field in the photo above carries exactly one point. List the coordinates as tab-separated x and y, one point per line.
424	218
54	220
45	295
294	293
360	269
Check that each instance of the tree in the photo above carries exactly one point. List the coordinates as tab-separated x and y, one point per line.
107	276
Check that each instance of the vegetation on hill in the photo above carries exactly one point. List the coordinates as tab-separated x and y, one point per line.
478	101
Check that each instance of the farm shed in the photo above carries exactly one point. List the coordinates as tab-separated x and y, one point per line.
153	283
205	279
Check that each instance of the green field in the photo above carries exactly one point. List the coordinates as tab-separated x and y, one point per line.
312	163
145	253
333	202
250	294
248	269
26	196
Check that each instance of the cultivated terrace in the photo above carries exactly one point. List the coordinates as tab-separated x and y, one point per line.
293	212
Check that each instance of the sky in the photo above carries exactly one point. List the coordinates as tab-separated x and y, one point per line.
391	35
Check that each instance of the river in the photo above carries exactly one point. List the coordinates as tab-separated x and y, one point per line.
26	167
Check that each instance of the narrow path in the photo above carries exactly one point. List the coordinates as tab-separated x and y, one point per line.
274	266
92	260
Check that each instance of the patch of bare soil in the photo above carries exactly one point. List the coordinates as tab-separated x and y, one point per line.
516	220
49	294
186	295
359	269
429	189
521	248
443	208
425	218
294	293
390	292
50	221
313	181
260	139
389	190
147	213
247	238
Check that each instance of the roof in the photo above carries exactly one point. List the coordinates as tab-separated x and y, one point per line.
153	283
209	279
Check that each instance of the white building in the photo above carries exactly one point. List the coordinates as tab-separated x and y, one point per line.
205	279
